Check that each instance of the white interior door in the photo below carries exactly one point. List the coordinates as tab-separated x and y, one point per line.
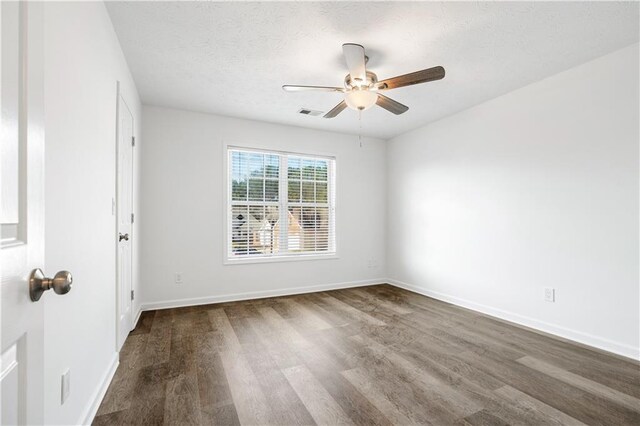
125	218
22	212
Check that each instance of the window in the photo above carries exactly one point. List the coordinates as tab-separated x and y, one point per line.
279	204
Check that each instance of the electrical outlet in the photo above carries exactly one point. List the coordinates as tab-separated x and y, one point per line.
372	264
549	294
178	277
65	386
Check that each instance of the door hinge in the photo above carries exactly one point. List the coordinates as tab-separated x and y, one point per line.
132	218
132	294
133	141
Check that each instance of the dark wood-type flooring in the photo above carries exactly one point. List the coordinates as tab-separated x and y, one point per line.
374	355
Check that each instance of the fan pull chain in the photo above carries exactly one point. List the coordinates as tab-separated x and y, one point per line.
360	127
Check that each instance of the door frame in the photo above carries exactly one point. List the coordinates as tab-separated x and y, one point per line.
120	97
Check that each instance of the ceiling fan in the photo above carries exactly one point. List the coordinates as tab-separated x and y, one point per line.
362	88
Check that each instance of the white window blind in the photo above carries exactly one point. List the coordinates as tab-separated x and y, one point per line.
279	204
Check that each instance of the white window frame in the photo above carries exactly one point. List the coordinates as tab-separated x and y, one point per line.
282	205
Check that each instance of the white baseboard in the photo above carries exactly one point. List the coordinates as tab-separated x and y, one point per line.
137	318
545	327
177	303
96	399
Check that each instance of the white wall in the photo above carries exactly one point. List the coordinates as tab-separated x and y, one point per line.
537	188
183	205
83	61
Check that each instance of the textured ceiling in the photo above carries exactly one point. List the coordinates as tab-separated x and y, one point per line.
232	58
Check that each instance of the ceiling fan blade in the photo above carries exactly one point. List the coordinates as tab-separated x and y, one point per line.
390	105
295	88
354	56
422	76
336	110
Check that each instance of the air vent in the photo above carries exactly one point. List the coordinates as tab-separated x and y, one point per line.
307	111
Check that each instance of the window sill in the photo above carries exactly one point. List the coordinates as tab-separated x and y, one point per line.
275	259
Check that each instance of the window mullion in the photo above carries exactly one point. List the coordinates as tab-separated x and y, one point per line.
283	209
229	203
331	187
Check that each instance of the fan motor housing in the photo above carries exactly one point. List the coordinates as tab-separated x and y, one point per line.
372	79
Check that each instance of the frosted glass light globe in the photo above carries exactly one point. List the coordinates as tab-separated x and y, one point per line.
360	99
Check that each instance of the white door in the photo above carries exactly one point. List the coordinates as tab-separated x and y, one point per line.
22	209
125	218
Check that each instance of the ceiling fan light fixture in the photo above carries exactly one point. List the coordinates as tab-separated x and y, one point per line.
361	86
360	100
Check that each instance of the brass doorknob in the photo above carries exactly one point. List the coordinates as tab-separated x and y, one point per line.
123	237
38	283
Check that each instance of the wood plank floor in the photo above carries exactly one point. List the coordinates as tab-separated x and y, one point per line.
374	355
